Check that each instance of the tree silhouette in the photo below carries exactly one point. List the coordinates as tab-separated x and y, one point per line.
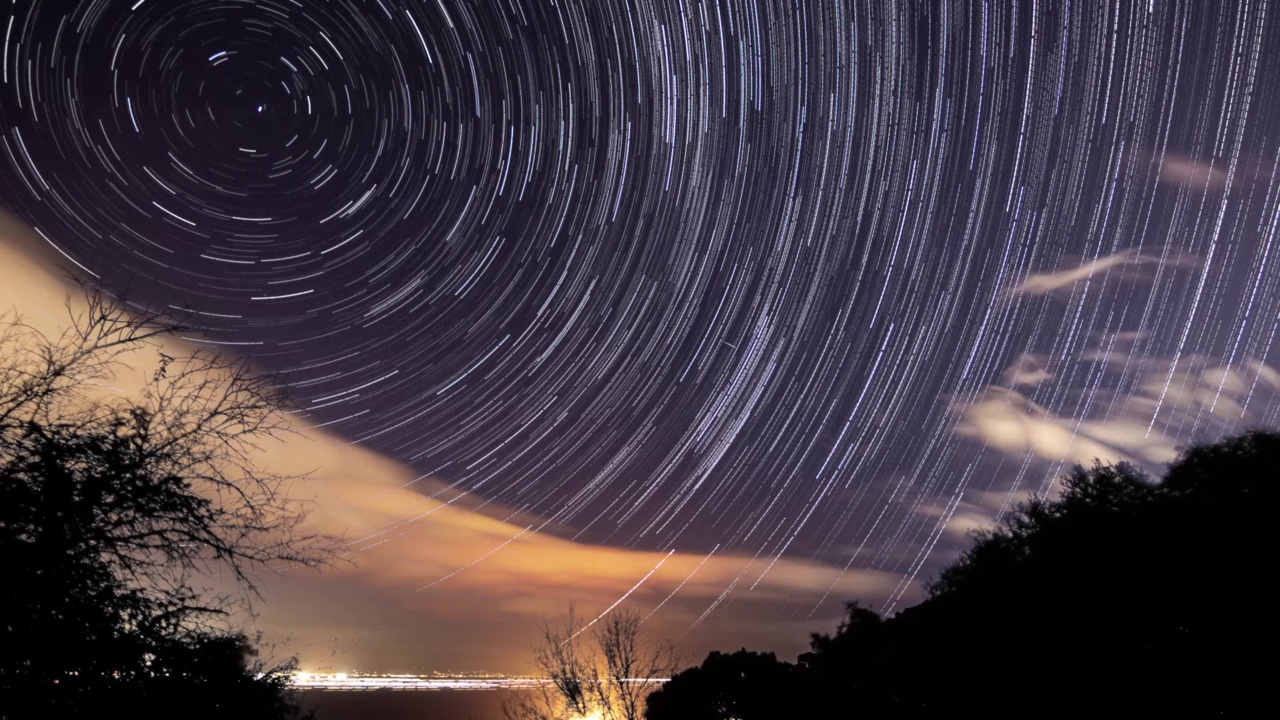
602	672
1121	596
112	506
743	685
853	664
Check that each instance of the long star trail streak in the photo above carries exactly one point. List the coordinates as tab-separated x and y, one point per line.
709	276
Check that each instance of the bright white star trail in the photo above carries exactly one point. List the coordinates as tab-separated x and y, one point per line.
831	281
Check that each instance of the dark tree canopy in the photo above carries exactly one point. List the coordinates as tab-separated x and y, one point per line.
1123	596
114	506
743	685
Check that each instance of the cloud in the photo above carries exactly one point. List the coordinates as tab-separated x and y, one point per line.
1126	265
1182	170
1028	369
974	512
438	586
1143	421
1201	174
1006	420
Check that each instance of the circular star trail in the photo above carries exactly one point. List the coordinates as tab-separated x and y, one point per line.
783	278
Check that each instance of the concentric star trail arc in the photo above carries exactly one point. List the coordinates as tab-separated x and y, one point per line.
766	277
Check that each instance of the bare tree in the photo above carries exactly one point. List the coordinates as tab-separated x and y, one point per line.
632	664
600	670
114	504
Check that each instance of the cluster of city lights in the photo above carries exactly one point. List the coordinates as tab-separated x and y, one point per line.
360	681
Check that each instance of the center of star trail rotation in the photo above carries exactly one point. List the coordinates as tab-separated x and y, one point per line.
782	278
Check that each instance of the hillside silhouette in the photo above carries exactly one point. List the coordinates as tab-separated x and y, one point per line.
1124	595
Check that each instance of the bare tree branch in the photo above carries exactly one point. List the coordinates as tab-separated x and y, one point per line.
159	488
604	674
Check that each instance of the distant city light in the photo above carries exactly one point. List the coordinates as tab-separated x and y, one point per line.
358	681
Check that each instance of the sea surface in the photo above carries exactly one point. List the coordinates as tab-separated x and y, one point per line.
445	704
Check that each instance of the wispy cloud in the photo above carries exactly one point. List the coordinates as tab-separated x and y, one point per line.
1007	420
1125	265
1028	369
1185	171
1162	404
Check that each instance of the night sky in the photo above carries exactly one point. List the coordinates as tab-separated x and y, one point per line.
815	286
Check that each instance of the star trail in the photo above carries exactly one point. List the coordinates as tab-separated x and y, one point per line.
780	278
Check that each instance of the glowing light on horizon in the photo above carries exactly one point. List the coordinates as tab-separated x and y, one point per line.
358	681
